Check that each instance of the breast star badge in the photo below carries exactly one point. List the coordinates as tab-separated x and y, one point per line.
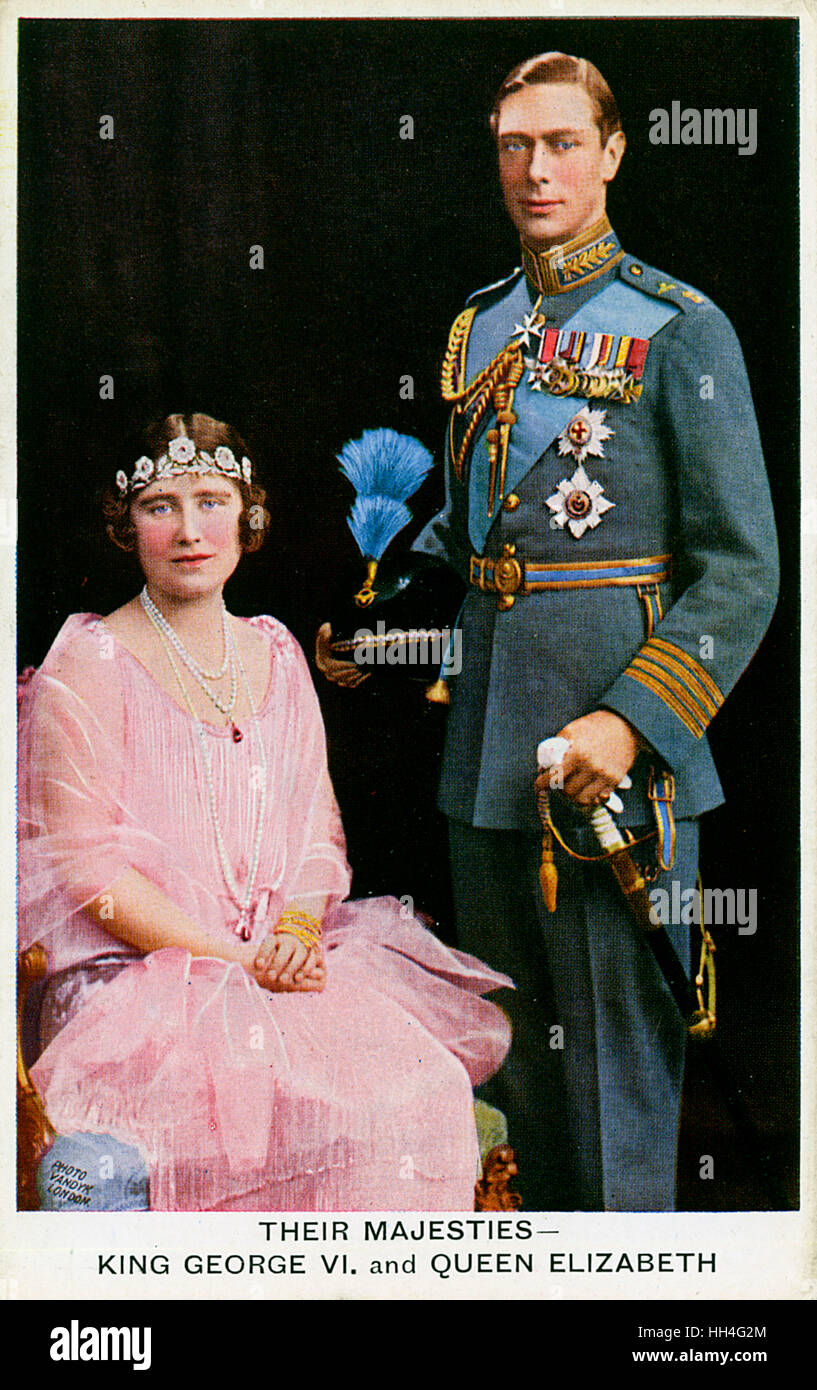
578	504
585	434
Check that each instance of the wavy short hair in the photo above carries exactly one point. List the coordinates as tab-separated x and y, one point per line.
207	434
551	68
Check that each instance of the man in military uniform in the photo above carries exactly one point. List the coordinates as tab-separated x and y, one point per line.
607	502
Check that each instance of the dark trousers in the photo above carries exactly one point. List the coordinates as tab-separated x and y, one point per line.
592	1085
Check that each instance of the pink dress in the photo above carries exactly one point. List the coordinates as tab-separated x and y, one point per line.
358	1098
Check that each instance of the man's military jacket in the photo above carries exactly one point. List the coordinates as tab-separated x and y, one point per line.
607	502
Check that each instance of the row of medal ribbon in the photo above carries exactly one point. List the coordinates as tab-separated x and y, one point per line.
588	350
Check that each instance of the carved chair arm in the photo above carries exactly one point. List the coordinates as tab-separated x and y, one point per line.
35	1133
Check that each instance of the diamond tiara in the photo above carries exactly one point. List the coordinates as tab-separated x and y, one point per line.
183	457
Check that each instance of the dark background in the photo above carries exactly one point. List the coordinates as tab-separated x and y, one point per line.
134	262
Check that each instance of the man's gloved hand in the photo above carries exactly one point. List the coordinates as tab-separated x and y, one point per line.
339	672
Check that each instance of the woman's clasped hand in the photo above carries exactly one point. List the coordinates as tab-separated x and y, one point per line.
284	964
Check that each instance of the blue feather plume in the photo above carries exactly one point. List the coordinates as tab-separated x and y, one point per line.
383	463
375	521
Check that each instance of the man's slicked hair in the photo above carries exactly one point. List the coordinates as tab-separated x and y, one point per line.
551	68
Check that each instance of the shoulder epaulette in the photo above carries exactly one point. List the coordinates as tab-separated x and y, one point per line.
660	286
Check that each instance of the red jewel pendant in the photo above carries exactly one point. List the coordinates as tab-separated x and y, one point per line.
237	734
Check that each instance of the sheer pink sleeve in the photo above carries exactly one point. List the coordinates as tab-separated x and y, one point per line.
75	834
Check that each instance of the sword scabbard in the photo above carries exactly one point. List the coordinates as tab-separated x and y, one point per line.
633	885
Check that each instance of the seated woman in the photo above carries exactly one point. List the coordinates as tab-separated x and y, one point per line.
212	1000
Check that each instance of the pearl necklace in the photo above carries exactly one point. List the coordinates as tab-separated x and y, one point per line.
242	901
201	677
189	660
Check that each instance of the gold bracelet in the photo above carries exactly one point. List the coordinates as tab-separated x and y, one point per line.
300	919
312	943
302	926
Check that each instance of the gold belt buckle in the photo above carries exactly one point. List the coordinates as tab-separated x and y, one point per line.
508	577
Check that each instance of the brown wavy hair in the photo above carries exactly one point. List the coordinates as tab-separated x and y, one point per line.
550	68
207	434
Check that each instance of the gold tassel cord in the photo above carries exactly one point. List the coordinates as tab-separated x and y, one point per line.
703	1021
490	388
544	811
494	385
499	436
548	873
438	693
453	368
